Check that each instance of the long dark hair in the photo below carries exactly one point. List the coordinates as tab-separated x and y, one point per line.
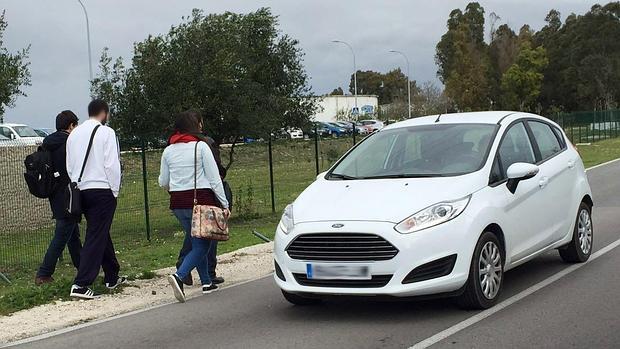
188	122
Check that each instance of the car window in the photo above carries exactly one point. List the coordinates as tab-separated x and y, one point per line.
420	151
548	142
515	147
25	131
6	132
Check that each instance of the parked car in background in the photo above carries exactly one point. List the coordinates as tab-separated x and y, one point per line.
455	202
335	130
317	127
293	133
43	132
23	133
373	125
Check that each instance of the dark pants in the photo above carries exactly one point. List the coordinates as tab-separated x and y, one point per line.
98	206
187	247
67	233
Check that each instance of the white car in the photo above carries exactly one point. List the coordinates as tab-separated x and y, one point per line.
294	133
24	134
438	205
373	125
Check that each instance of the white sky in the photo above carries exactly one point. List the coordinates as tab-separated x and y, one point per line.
59	56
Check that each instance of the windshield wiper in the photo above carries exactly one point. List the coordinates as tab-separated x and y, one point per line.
341	176
405	175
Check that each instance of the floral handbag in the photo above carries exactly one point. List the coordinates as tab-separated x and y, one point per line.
208	222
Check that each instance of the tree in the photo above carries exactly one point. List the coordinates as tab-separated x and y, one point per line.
522	82
14	72
389	87
337	92
428	100
238	70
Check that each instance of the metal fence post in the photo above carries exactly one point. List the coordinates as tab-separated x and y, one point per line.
354	131
147	217
273	197
316	149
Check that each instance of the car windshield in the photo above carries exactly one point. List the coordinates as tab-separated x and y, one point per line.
3	138
25	131
418	151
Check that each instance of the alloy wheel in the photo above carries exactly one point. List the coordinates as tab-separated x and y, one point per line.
584	229
490	269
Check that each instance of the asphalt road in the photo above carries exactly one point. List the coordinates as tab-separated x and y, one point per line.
578	310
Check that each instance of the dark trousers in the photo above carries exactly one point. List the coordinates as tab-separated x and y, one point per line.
67	233
98	206
187	248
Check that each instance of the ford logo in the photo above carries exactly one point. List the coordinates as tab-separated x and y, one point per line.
337	225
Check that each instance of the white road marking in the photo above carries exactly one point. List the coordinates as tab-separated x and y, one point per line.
603	164
519	296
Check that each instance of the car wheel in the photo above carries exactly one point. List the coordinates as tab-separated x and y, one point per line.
580	247
299	300
486	274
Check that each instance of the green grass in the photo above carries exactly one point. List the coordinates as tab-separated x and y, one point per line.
294	169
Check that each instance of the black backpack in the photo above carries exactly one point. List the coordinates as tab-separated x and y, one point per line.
39	173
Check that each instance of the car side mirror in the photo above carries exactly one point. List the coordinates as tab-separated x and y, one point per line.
520	171
13	136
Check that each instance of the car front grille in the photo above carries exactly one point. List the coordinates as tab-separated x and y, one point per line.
376	282
341	247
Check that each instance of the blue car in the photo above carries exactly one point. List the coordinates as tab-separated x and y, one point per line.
334	129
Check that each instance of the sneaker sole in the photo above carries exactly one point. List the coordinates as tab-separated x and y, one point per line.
210	291
117	284
178	294
83	296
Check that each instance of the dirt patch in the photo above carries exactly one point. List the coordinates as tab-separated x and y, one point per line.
238	266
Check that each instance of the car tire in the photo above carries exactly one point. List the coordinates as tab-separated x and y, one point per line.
580	247
483	292
300	300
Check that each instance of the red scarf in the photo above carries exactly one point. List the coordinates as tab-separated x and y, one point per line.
182	138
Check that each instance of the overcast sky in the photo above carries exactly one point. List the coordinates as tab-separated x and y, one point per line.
59	56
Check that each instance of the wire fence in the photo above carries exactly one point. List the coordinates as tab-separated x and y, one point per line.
265	177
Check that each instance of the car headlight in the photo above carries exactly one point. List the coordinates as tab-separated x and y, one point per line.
287	222
432	215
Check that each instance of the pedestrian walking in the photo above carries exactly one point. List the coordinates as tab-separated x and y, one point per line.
93	162
190	174
187	242
67	230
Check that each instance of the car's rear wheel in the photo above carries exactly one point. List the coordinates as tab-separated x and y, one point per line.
580	247
300	300
486	274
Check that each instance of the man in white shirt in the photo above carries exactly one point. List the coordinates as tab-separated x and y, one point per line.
99	187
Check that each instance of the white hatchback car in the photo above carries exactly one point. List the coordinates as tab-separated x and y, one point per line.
438	205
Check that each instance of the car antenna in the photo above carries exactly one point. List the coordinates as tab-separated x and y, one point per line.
438	116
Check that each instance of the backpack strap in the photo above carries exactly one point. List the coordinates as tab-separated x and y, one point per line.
90	145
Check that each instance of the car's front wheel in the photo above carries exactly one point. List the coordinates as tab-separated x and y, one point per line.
486	274
580	247
299	300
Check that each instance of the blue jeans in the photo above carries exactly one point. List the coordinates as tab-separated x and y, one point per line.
67	233
197	257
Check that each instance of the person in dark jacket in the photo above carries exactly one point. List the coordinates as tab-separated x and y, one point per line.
187	243
67	232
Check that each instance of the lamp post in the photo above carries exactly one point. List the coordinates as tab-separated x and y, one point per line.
354	71
90	59
408	84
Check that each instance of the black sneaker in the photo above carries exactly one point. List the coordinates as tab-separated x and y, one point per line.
206	289
119	281
177	287
217	280
82	292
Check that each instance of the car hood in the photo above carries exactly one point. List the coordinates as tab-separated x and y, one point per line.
385	200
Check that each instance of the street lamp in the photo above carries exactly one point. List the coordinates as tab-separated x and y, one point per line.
408	84
90	59
354	72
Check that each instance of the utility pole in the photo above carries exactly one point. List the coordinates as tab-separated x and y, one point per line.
90	58
408	83
354	72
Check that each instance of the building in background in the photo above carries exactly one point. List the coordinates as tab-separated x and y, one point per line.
338	107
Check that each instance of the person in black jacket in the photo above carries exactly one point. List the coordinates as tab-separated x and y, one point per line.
67	232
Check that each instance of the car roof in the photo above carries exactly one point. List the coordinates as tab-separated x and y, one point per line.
481	117
11	125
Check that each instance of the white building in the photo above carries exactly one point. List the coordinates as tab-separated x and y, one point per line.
332	106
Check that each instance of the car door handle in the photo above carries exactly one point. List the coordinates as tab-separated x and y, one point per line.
543	182
571	164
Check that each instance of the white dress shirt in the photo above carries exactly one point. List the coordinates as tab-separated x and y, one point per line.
103	168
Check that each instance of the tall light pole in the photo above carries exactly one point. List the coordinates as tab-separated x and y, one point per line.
354	72
408	84
90	58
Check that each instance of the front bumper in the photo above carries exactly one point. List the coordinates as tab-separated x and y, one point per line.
415	249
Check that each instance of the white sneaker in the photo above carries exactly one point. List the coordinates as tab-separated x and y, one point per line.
82	292
121	280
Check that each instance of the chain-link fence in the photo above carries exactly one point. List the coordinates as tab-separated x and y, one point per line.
265	177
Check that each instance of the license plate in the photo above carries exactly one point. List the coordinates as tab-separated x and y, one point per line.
339	272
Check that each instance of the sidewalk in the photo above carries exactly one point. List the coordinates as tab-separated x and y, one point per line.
245	264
